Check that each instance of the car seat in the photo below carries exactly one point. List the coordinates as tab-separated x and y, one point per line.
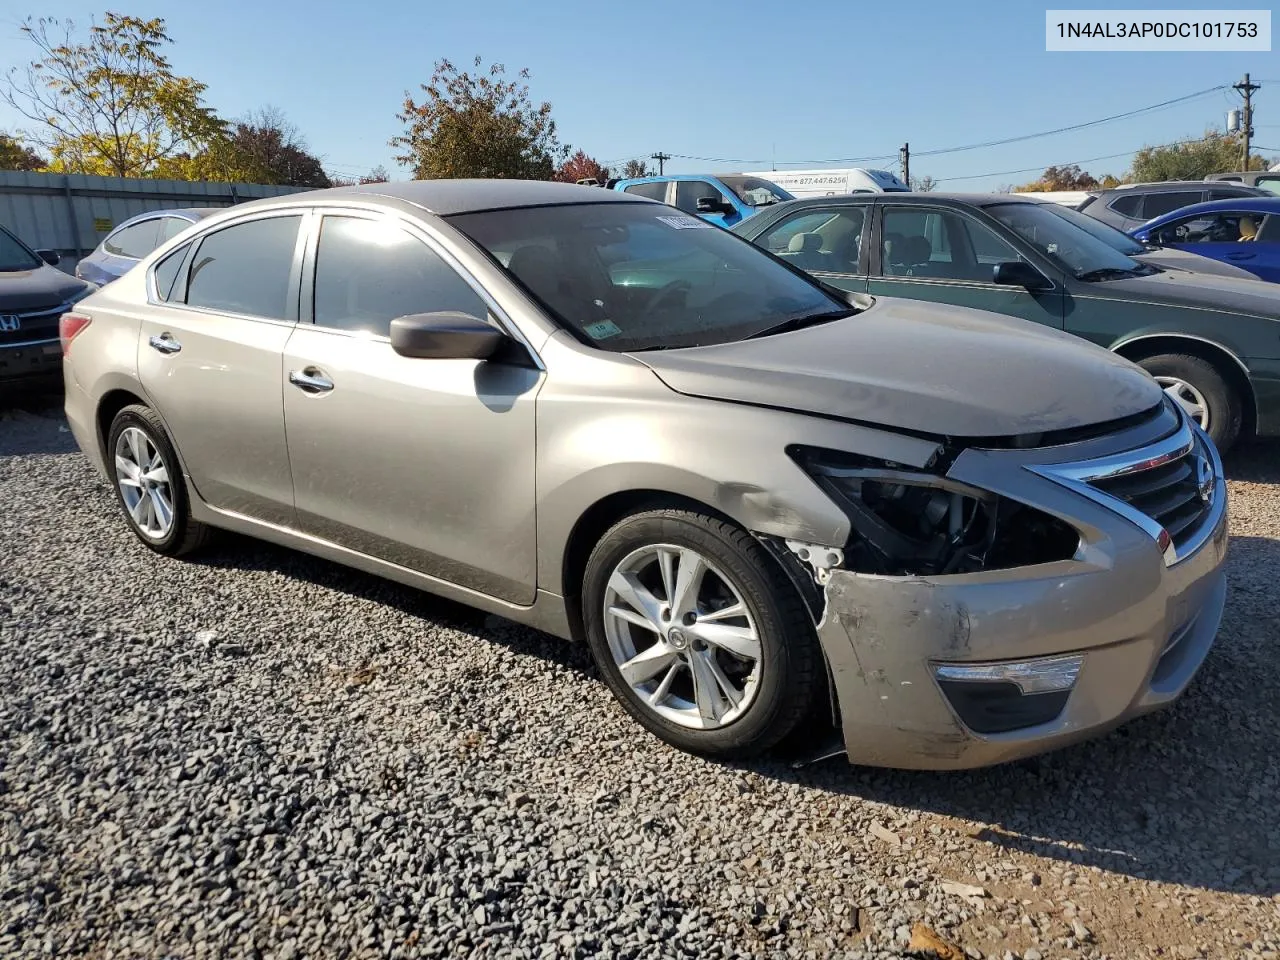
804	250
1248	229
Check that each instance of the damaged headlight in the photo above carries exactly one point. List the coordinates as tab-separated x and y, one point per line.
910	523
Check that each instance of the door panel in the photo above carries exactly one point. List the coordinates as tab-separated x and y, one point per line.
210	360
425	463
941	255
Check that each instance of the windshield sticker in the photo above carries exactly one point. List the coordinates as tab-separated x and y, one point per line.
602	330
686	223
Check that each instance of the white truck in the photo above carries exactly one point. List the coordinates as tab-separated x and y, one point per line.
828	183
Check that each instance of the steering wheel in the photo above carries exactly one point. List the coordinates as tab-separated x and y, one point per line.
666	292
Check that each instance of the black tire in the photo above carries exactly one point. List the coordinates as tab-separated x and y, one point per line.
1226	412
185	535
790	666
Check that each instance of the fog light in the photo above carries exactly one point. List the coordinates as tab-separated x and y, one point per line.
999	697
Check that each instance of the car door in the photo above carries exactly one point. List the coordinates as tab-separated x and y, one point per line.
924	252
829	242
1246	240
425	463
209	356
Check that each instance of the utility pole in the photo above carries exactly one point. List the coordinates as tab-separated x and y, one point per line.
904	157
662	158
1246	121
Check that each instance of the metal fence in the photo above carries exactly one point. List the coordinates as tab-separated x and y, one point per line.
71	213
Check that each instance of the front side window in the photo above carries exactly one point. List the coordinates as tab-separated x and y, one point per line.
14	254
626	277
368	272
245	268
943	245
823	240
134	242
1210	228
689	192
650	191
756	192
1158	204
1076	251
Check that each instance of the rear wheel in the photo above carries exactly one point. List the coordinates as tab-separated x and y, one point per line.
149	484
698	634
1203	392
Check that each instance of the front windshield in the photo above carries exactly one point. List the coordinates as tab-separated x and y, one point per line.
14	254
641	276
1103	231
755	192
1080	253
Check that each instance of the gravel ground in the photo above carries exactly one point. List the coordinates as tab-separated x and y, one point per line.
260	754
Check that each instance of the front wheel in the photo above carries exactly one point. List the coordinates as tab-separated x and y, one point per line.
698	633
1203	392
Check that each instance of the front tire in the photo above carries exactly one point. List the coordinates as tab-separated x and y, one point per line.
149	484
1206	395
699	634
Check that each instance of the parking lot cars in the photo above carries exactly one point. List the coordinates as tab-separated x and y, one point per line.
1268	180
988	538
1244	232
134	239
723	199
33	294
1210	341
1134	204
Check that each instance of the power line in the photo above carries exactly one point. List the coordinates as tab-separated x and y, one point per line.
1042	167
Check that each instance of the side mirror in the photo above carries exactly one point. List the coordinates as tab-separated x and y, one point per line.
1019	273
51	257
714	205
446	335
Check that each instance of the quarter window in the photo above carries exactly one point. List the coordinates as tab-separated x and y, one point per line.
134	242
650	191
167	271
368	272
246	268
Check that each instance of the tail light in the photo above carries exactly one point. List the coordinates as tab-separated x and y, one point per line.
70	324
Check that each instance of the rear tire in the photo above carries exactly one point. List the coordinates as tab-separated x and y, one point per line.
1196	382
149	484
699	634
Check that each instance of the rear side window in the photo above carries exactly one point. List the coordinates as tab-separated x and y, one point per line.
368	272
134	242
651	191
167	271
1158	204
245	268
1127	204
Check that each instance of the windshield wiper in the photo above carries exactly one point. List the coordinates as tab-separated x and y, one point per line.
1107	273
800	322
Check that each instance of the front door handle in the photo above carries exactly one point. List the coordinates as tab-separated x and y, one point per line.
310	380
1240	255
165	343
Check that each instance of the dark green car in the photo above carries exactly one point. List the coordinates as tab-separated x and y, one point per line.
1212	342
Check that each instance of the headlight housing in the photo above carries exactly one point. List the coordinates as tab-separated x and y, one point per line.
909	523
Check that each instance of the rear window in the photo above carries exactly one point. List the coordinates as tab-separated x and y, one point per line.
651	191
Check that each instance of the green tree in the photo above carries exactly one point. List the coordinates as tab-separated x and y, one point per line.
16	155
1192	159
636	168
1066	177
479	125
111	103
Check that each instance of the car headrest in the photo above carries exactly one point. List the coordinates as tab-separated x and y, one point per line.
805	243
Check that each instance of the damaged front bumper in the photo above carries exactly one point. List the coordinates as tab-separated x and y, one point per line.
968	670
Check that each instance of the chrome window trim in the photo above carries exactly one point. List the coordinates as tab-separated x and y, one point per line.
1079	475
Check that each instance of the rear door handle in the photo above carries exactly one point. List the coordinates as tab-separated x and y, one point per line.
165	343
310	380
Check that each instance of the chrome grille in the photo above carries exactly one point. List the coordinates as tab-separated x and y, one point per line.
1169	494
40	323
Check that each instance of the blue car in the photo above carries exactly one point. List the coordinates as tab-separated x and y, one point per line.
1243	231
134	239
724	199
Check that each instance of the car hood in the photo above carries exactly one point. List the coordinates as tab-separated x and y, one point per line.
1207	291
45	286
1186	260
924	367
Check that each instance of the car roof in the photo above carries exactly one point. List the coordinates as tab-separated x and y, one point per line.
446	197
185	213
896	196
1241	204
1175	185
664	177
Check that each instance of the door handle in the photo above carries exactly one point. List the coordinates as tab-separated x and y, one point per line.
310	380
1240	255
165	343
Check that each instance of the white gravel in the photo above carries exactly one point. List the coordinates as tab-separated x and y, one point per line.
259	754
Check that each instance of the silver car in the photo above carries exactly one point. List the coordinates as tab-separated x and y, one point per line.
964	538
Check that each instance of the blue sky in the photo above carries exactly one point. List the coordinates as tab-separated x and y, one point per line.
748	81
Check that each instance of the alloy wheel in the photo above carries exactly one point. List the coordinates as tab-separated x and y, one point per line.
1191	399
681	636
143	479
